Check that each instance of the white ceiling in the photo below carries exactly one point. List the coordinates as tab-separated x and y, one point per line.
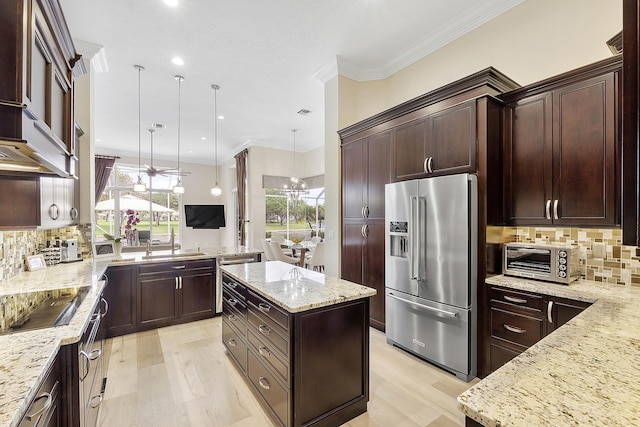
268	56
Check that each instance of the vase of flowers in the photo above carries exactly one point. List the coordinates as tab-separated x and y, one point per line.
130	229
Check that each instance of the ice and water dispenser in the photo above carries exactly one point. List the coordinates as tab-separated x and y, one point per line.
399	239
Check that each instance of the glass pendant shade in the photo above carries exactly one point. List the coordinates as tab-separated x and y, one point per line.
178	188
216	190
139	186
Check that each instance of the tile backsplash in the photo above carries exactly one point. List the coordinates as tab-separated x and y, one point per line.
16	244
619	266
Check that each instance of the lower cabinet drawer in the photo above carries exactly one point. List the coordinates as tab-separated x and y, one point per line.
274	394
268	330
516	328
235	344
501	354
267	355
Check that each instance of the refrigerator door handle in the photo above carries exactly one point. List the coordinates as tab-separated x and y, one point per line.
426	307
413	239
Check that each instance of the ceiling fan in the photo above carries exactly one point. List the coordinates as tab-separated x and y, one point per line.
152	171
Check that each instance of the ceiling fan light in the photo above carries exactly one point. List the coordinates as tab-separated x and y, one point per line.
216	190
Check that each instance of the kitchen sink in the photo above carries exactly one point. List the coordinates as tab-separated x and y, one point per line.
57	308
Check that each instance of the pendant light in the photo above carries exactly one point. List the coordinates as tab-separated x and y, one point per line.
139	186
296	186
179	188
216	190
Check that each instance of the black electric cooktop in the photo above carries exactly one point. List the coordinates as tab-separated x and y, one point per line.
53	311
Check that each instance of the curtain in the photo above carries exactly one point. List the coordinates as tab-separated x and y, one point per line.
104	165
241	183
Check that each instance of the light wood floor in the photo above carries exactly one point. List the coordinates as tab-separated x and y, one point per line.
182	376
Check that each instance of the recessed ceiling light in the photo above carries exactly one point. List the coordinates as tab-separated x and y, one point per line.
221	117
172	3
98	140
204	138
177	60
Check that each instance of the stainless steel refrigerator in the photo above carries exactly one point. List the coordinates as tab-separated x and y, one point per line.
431	270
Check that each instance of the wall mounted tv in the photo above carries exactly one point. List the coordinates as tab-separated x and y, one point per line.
204	216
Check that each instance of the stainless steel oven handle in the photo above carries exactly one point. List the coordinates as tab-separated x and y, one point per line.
426	307
549	313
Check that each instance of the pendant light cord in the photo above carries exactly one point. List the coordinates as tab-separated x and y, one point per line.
215	134
179	78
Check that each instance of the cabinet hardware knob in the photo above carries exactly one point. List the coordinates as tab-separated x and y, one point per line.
264	329
232	301
264	383
233	318
514	329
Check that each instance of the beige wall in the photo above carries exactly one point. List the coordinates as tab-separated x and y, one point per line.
533	41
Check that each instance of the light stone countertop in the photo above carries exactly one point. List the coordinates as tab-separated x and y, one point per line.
127	258
296	289
585	373
26	356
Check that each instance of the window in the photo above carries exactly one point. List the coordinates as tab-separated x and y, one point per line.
158	209
303	217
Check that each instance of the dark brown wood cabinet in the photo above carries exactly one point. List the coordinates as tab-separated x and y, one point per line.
561	149
36	89
120	293
365	169
45	408
519	319
24	209
286	361
175	292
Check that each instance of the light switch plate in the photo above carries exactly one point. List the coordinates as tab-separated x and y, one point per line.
599	250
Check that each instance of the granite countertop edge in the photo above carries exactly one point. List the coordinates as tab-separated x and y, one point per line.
583	373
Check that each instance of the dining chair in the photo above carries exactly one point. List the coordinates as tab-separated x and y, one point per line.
280	239
279	254
316	261
268	252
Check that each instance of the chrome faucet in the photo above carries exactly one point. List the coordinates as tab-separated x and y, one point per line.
173	246
148	247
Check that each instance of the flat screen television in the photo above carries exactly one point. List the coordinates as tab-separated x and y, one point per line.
204	216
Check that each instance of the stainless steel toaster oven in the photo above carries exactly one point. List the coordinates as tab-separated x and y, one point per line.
553	263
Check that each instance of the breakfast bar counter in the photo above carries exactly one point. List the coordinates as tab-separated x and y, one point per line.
584	373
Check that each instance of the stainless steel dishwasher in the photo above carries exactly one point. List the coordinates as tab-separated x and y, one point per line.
229	260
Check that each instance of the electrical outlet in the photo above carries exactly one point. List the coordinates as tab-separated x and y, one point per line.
599	250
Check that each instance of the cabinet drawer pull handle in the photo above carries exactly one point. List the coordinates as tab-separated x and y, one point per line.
106	307
232	301
555	209
430	164
233	318
179	267
264	351
264	307
366	212
73	213
176	283
264	329
549	313
514	329
46	406
95	405
424	165
232	342
547	214
264	383
232	285
516	300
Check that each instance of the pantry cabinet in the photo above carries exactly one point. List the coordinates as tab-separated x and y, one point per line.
120	293
561	149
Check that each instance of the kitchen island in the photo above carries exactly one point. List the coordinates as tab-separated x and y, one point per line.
301	338
584	373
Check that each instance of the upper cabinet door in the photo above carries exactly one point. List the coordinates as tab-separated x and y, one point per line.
409	150
584	152
378	171
528	160
353	179
452	140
